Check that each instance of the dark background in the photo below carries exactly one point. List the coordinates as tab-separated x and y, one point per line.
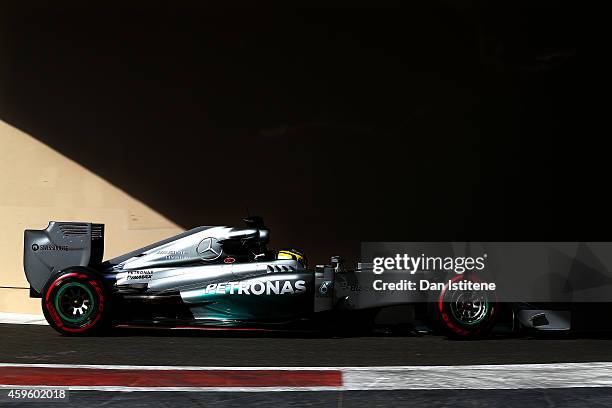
442	120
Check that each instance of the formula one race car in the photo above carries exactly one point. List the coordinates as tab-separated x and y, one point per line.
207	276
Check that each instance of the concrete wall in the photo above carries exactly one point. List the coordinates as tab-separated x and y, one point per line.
38	184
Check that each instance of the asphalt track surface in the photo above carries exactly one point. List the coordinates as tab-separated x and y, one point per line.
41	344
28	344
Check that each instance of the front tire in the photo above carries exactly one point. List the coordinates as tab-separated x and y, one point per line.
464	314
74	302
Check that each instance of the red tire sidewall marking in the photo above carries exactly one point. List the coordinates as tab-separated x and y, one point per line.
446	319
51	307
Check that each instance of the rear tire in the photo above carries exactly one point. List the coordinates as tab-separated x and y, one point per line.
75	303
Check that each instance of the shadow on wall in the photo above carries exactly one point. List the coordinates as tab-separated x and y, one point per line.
336	126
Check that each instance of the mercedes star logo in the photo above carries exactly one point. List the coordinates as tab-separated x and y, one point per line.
209	249
324	288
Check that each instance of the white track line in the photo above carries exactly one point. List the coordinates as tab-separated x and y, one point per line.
511	376
22	318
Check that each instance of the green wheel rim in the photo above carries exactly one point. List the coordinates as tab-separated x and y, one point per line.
75	302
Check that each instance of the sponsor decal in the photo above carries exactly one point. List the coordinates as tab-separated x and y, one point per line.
134	275
173	254
256	288
209	249
344	284
324	288
229	260
51	247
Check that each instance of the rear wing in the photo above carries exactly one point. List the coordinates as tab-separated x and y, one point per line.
60	245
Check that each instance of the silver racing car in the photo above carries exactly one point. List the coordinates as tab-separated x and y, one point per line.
205	277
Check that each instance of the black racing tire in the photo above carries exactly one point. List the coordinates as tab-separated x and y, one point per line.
75	302
463	314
